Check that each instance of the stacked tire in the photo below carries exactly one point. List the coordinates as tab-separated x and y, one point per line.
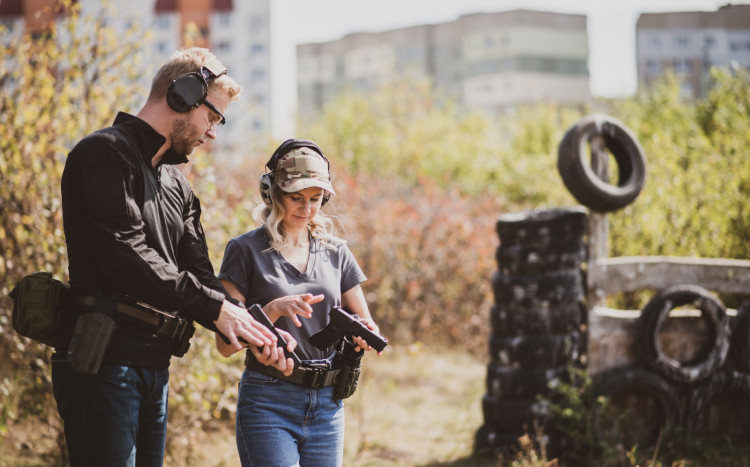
707	394
537	323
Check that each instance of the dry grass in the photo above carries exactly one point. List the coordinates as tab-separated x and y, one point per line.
414	407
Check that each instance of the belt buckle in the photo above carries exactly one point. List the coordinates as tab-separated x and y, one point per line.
313	377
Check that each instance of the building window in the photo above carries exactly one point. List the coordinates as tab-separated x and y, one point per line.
257	74
682	41
224	46
162	21
684	66
739	46
223	18
257	49
653	67
654	42
256	23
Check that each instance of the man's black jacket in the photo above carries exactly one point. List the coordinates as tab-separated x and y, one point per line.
135	230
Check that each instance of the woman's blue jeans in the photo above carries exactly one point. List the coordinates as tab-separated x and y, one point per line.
117	417
282	424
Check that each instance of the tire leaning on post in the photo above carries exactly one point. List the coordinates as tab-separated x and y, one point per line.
573	163
655	314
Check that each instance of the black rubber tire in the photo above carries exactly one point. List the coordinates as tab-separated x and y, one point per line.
537	321
719	407
508	382
740	345
515	415
553	290
542	227
530	260
575	169
659	402
657	311
536	352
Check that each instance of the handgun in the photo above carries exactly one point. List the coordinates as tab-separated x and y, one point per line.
259	315
344	324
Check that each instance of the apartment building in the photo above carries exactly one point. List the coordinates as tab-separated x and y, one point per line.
490	61
245	34
690	43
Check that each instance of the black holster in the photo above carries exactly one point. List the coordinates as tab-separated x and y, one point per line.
182	339
350	362
91	336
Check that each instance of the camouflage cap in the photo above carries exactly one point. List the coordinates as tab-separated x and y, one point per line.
302	168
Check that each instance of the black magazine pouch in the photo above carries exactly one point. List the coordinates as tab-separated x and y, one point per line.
37	299
91	337
351	367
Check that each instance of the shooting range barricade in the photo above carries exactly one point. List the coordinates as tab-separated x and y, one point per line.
684	359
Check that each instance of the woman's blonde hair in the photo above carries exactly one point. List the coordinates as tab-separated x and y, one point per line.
320	227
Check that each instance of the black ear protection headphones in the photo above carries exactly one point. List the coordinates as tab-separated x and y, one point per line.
267	181
189	90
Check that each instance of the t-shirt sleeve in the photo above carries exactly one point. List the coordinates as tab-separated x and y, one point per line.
234	266
351	273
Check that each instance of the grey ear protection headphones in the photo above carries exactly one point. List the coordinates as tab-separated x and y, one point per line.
267	181
189	90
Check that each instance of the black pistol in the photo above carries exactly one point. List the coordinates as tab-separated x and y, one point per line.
344	324
259	315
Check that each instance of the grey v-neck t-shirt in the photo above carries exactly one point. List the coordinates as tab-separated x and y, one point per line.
262	275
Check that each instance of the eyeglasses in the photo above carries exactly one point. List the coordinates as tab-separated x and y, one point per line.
213	108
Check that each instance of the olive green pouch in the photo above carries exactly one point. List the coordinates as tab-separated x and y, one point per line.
37	299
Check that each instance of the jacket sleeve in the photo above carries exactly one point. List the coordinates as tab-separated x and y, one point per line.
192	256
117	245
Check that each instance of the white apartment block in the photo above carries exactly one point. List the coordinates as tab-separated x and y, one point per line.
489	61
690	43
246	35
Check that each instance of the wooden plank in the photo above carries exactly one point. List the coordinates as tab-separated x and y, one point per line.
612	336
598	249
631	273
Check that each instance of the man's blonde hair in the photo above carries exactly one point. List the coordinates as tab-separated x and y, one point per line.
187	61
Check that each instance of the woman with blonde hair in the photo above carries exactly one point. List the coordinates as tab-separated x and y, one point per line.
293	266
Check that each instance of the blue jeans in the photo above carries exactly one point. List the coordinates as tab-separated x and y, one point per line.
282	424
117	417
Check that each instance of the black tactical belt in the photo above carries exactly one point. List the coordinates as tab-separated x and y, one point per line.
311	377
160	322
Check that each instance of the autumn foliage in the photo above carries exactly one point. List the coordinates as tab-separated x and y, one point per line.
420	184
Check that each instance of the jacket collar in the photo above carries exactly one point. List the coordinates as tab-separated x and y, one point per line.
148	140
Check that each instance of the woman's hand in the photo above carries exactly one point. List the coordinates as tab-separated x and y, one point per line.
361	343
291	306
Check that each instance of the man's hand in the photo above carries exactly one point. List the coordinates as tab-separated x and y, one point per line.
273	356
235	322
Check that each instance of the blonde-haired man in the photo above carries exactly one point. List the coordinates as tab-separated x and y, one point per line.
140	274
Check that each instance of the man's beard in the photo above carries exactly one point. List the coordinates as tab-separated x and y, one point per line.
183	138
